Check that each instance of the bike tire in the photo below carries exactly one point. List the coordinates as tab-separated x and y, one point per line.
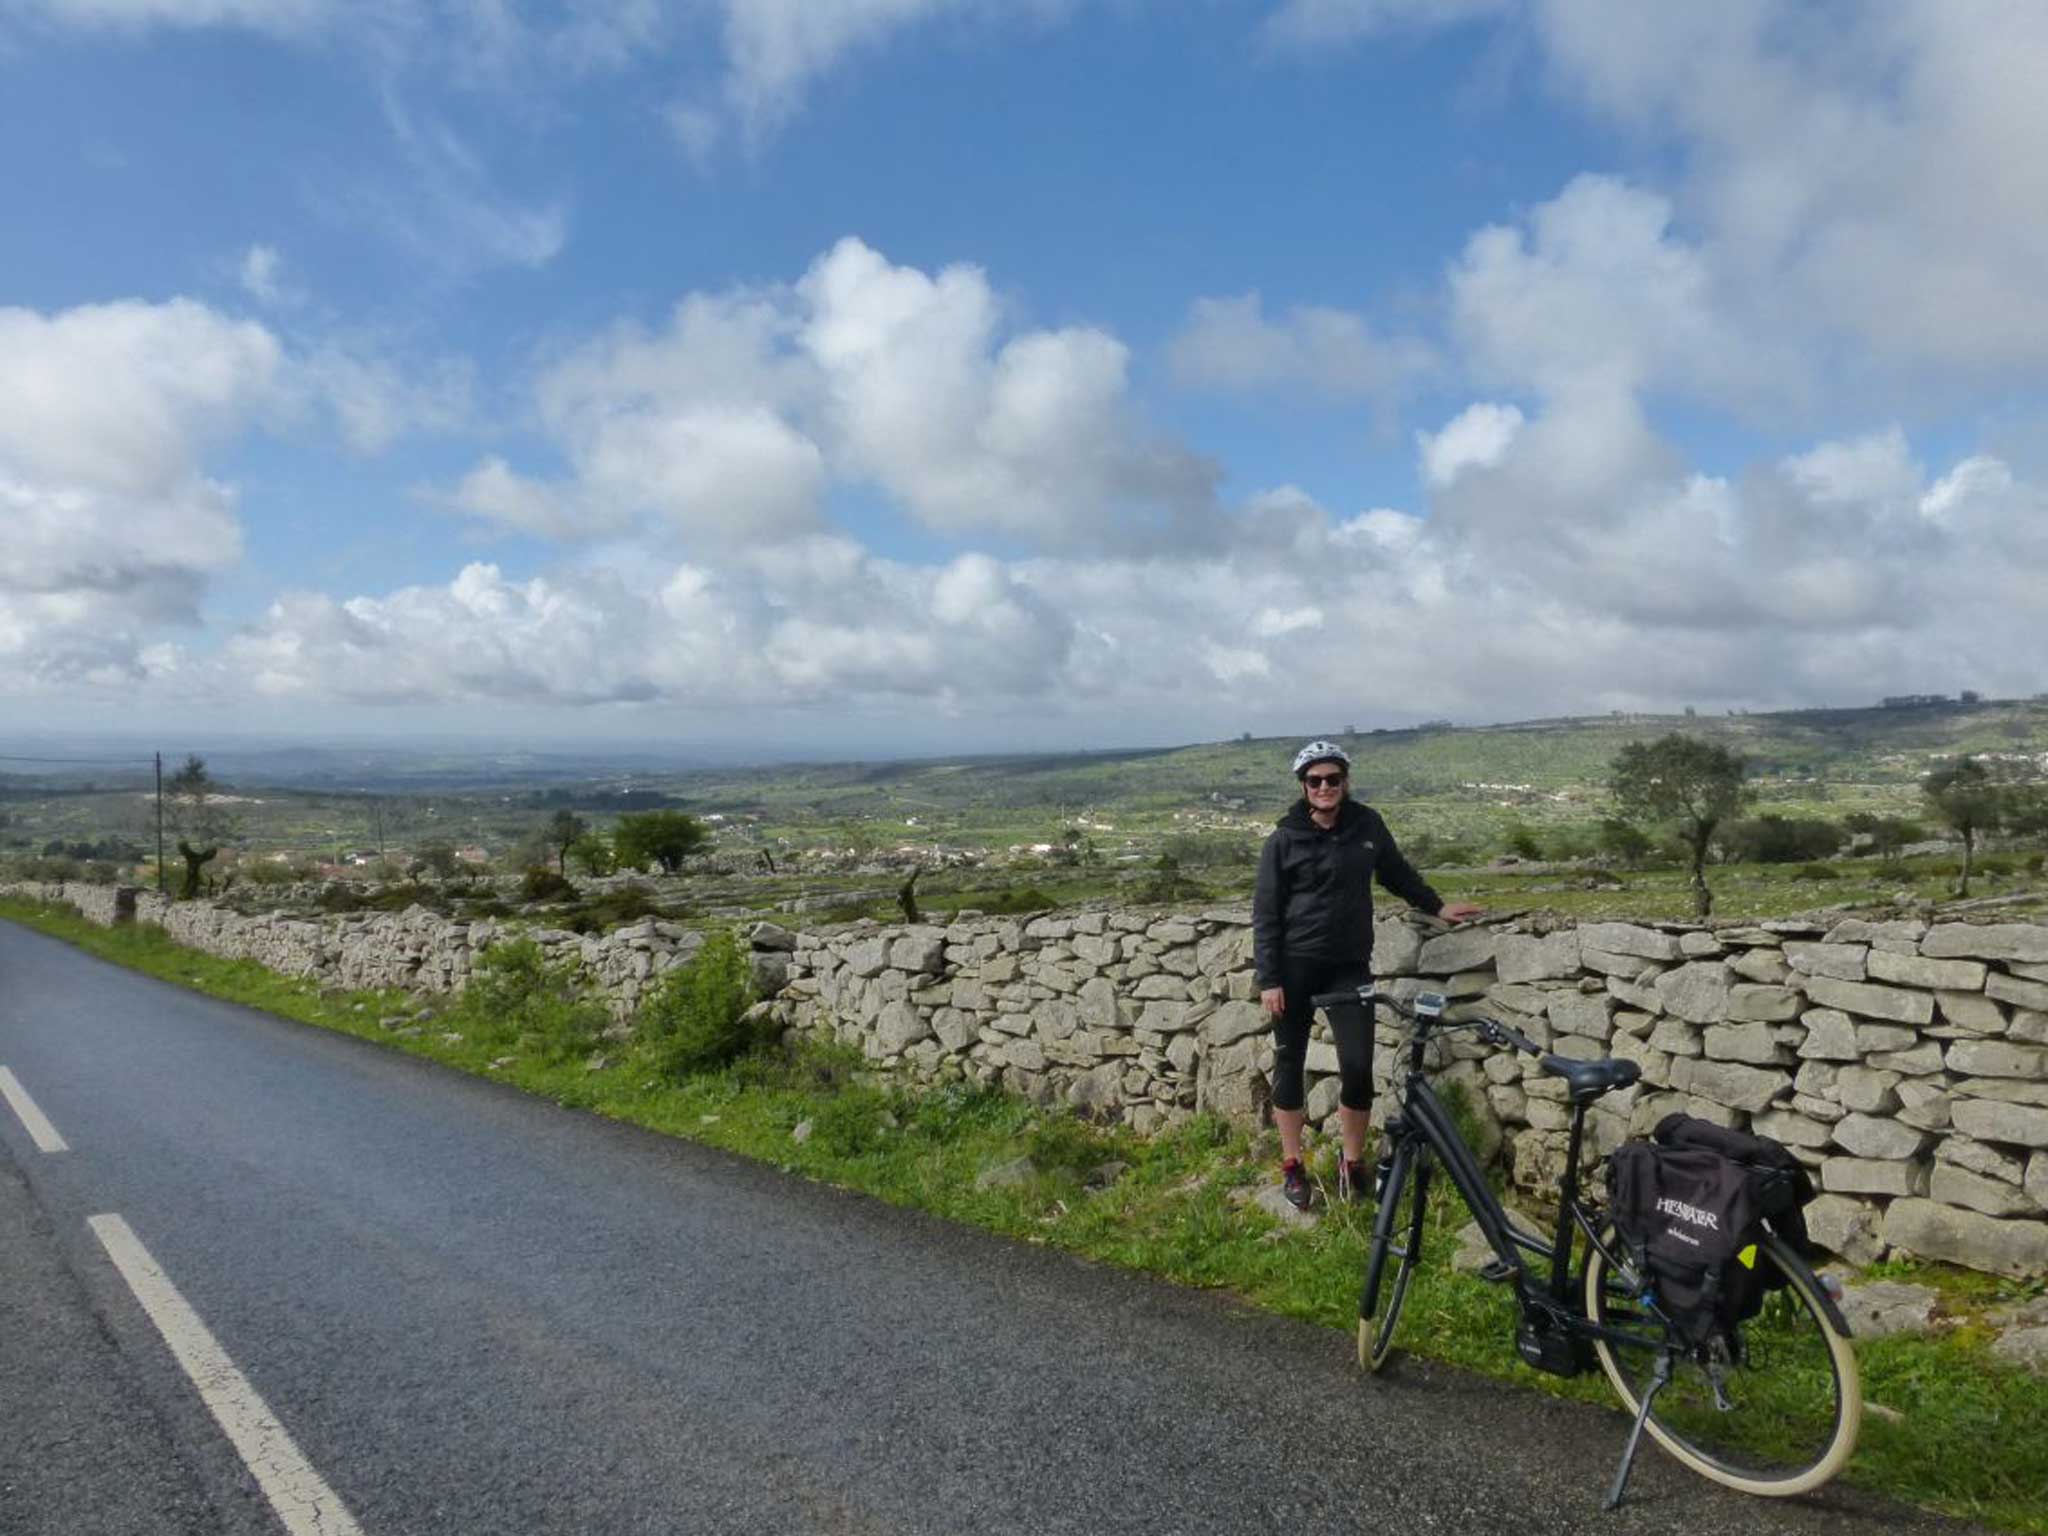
1797	1396
1396	1233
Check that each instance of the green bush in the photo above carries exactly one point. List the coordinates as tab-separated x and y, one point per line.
1064	1143
692	1020
852	1121
1815	872
515	997
336	897
1014	899
540	883
601	914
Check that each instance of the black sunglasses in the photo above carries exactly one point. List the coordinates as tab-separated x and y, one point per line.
1320	780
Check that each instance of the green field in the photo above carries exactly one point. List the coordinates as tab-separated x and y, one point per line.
1077	824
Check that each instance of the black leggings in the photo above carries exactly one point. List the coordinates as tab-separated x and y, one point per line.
1302	979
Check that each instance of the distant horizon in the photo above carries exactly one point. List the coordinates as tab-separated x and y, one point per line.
133	749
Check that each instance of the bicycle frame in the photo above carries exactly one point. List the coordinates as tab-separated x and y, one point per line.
1425	1110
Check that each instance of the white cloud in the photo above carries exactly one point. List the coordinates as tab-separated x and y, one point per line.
279	16
735	421
1852	168
1475	438
1230	343
111	524
777	50
1594	293
1316	23
262	277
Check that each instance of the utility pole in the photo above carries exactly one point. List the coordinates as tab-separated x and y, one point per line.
161	888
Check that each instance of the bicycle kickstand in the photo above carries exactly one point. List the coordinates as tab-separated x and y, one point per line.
1658	1382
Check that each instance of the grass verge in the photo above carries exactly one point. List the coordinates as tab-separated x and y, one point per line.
1174	1205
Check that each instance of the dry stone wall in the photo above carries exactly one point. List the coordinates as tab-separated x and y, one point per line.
1905	1062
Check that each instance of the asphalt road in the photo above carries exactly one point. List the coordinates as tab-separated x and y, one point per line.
475	1312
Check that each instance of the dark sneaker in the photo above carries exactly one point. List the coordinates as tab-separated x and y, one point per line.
1294	1183
1352	1181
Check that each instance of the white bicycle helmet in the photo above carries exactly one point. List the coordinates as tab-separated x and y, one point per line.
1320	752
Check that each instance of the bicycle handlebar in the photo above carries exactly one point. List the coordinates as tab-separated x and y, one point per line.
1428	1008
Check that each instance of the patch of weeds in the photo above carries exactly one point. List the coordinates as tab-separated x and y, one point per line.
1060	1143
515	997
1815	872
852	1122
614	909
694	1019
1013	900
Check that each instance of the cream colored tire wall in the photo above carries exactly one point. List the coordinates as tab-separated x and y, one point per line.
1844	1355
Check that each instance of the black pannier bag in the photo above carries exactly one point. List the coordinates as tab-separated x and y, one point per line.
1689	1204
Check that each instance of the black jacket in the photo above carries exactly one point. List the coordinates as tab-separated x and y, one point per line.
1314	896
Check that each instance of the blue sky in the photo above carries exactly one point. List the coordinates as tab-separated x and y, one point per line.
912	375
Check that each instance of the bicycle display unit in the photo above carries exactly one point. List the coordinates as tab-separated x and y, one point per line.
1769	1405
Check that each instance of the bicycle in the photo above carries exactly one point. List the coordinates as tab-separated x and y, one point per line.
1770	1405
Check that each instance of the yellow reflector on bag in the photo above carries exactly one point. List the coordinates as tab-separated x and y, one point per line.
1748	1257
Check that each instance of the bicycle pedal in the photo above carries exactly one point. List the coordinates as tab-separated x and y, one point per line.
1498	1270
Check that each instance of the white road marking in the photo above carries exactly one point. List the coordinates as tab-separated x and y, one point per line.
40	1131
306	1505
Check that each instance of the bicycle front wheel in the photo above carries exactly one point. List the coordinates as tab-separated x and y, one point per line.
1789	1404
1396	1235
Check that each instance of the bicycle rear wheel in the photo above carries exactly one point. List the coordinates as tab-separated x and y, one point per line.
1396	1234
1792	1400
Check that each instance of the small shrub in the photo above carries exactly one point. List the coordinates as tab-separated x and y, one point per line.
1996	864
852	1121
1815	872
1015	899
514	995
692	1022
2034	863
601	914
1062	1143
540	883
336	897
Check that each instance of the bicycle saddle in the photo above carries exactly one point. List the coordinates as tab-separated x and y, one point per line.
1590	1079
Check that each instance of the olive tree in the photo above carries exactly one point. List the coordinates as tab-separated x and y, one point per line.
1682	781
658	837
1965	797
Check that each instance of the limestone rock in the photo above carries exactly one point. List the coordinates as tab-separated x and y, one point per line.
1998	1058
1972	1011
1841	962
1830	1036
1871	1000
2032	995
1933	975
1958	1186
1752	1043
1987	1120
1863	1176
1524	957
1754	1001
1729	1083
1630	939
1932	1231
1876	1136
1867	1090
1845	1227
1697	991
1462	949
1886	1307
1987	941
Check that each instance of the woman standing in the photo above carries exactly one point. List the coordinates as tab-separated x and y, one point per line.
1312	933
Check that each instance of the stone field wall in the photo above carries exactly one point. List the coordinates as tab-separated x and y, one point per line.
1905	1062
